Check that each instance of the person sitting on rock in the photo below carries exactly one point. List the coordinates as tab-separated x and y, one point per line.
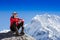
16	23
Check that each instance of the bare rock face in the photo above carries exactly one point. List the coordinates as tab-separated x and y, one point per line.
10	36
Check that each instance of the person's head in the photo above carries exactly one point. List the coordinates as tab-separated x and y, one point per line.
14	14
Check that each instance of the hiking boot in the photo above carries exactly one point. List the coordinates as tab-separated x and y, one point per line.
22	33
17	34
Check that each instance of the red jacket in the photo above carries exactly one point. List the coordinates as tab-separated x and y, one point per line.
12	20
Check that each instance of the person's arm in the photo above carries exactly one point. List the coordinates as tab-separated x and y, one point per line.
21	20
11	20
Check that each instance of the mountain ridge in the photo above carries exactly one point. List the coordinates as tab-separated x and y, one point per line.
45	24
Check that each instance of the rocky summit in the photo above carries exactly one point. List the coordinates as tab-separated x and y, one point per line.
10	36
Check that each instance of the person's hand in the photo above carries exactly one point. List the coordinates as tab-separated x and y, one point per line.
19	21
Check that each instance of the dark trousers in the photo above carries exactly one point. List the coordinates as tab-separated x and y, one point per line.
15	28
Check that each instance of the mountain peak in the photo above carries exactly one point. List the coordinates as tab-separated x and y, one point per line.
46	24
9	36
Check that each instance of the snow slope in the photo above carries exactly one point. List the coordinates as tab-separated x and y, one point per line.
4	31
44	27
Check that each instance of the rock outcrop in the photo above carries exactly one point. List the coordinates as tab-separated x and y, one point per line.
10	36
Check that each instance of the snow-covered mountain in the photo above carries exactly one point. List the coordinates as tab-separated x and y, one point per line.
4	31
44	27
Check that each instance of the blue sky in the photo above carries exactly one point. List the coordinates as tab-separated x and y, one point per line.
26	9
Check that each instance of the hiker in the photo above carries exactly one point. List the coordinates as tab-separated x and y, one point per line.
16	23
